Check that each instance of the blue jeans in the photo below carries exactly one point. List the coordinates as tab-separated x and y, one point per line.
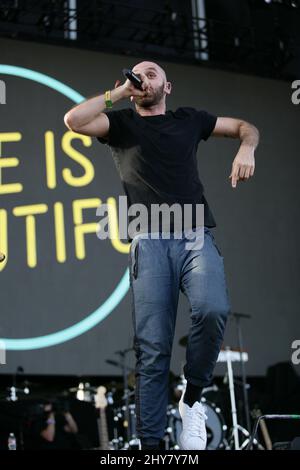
159	270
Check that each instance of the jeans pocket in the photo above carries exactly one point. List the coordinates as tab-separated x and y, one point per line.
218	249
135	260
215	243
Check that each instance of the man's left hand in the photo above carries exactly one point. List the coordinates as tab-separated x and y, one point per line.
243	165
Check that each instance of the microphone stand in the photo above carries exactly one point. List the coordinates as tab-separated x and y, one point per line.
238	316
122	355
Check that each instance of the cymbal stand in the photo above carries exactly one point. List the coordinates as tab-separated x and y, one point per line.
238	316
125	397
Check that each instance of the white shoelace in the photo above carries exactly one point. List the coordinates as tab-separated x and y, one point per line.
197	412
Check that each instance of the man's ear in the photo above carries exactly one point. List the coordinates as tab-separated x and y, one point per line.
168	87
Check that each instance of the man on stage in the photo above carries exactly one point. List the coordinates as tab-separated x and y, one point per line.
155	153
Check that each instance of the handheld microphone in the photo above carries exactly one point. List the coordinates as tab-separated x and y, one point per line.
134	78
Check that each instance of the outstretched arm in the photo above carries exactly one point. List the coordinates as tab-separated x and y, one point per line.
243	164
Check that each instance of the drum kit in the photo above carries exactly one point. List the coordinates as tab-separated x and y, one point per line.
117	421
116	412
121	416
124	436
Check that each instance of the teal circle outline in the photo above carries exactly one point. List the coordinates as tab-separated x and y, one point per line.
38	342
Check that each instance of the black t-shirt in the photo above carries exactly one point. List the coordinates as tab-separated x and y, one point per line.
156	156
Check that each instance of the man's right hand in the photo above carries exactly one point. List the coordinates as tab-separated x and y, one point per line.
130	90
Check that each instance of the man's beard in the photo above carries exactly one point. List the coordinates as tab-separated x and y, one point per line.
151	100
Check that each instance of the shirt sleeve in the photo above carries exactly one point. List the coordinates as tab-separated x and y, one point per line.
206	122
116	128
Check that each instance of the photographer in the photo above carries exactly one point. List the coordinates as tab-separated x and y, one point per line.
55	428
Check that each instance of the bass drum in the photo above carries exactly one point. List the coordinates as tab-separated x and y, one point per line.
215	426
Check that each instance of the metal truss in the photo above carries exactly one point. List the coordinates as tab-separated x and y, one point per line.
130	28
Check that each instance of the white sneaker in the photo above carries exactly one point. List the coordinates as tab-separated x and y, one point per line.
193	435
